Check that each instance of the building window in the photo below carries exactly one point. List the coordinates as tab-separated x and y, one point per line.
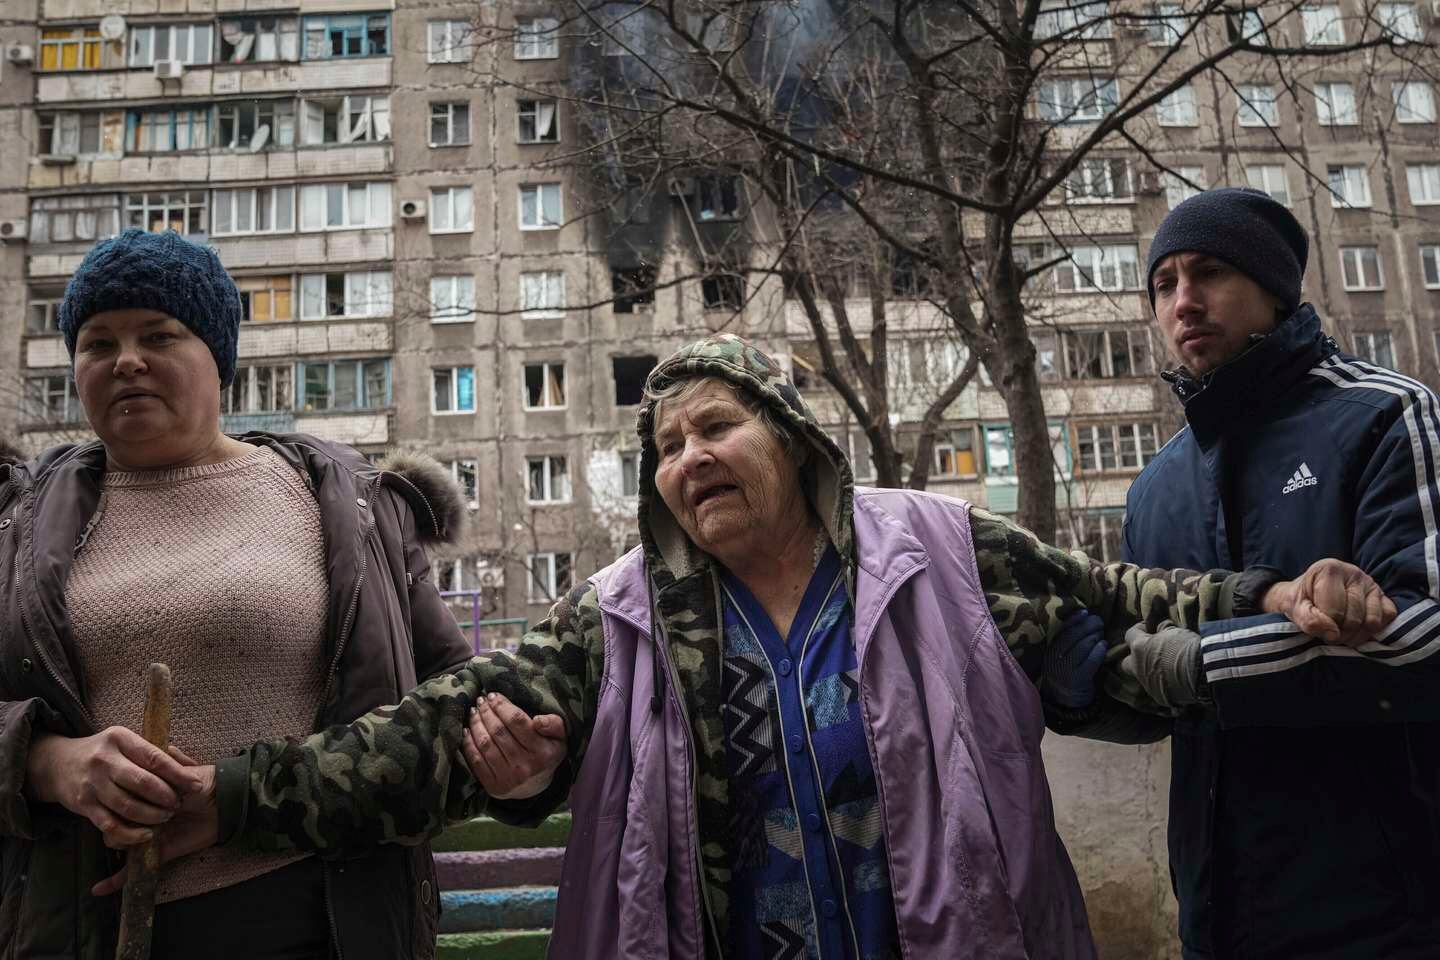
542	294
452	299
1107	354
449	124
254	210
1076	99
1073	21
536	121
1335	105
717	198
630	374
955	453
452	209
354	35
1322	26
344	206
544	386
1182	183
549	577
346	120
1424	180
1399	21
166	131
1099	180
268	388
467	477
69	134
723	291
66	49
1108	447
1430	265
265	299
1271	179
184	211
452	390
1258	106
1099	534
52	400
1101	268
64	219
1414	102
540	206
40	317
548	480
1349	187
1375	348
1177	109
259	39
630	474
345	385
633	289
334	296
1360	267
189	43
537	38
449	42
254	124
1167	25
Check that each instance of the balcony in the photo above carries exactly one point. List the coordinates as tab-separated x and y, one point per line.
283	251
208	81
43	353
214	167
269	422
310	337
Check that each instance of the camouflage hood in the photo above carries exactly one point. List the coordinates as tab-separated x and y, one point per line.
826	475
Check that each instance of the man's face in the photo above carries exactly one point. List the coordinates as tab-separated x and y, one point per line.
1208	310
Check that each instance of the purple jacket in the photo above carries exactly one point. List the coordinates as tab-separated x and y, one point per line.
954	726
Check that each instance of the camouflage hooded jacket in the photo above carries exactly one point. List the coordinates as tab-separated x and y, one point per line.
394	775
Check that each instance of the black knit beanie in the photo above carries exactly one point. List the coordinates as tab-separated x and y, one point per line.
1242	226
157	271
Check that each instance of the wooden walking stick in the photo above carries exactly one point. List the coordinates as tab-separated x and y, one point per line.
142	877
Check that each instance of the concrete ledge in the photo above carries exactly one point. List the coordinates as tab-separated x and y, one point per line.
483	833
497	945
488	869
479	911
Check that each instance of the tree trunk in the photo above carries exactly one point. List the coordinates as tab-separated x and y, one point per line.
1013	371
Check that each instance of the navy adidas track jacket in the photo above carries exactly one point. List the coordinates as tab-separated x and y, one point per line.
1303	807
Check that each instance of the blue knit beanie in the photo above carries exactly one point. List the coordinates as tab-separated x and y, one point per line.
1242	226
157	271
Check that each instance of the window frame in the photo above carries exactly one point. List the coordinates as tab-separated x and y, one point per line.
382	306
1326	112
188	207
536	38
363	399
553	493
1248	115
252	285
1317	33
532	107
324	23
1404	111
1358	262
447	198
1339	199
1175	110
470	494
549	283
1116	446
247	378
259	22
71	411
450	110
454	390
546	367
377	198
542	223
281	198
1373	340
45	212
136	59
92	51
450	49
1427	270
1284	179
1427	177
278	113
1072	264
552	586
457	285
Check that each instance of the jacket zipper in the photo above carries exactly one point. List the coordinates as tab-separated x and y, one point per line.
330	914
349	622
40	650
434	520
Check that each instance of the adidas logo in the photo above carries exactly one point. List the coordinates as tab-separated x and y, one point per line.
1303	478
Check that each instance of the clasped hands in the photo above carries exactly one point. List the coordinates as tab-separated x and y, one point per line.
134	793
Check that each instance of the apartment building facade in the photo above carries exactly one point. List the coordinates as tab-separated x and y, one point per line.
422	270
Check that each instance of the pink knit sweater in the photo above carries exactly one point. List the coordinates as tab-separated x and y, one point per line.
218	571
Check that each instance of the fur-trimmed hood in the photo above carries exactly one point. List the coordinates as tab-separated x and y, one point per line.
432	493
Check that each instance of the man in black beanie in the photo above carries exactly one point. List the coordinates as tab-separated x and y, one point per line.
1303	806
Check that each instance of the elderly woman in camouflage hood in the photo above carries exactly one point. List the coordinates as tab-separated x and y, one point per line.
802	717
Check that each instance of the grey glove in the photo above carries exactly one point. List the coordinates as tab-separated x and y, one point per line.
1167	665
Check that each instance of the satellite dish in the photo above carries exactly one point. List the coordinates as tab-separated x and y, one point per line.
262	137
112	27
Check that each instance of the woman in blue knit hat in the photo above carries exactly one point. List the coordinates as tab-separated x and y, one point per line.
242	563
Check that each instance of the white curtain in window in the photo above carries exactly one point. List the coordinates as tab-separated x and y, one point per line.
544	120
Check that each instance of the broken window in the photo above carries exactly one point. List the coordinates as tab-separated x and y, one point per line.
260	389
536	119
718	197
633	289
346	120
325	296
544	386
723	291
355	35
166	131
43	306
265	299
549	479
630	374
259	39
69	133
449	124
52	399
255	124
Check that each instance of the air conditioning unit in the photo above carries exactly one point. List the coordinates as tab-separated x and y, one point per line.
20	54
681	186
14	229
169	69
1148	182
412	209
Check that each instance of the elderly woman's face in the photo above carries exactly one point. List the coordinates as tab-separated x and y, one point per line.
149	386
721	472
